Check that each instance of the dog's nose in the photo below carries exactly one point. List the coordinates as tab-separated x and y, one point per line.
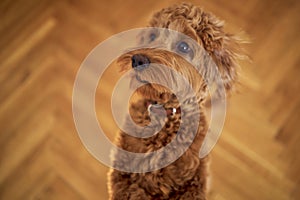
139	61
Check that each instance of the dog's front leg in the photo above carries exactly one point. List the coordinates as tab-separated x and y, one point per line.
194	194
121	188
132	193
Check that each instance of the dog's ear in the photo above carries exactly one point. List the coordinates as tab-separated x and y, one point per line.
223	48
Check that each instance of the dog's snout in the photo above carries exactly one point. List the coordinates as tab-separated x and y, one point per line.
140	61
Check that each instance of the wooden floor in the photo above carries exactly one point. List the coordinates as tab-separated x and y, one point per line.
42	44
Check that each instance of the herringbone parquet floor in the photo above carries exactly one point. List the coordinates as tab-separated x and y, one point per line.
42	45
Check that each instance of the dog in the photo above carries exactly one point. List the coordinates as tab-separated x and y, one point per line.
186	177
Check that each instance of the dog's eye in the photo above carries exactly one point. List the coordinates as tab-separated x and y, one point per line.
152	37
183	47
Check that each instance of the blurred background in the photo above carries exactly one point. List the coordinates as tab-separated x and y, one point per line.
42	44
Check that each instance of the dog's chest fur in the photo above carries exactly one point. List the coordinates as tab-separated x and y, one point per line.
186	172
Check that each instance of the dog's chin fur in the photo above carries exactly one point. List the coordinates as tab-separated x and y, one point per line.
155	92
186	178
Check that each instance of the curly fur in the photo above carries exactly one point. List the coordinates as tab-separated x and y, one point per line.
186	178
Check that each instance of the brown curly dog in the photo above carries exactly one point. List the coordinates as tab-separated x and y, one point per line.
186	176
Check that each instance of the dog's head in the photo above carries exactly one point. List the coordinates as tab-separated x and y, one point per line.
179	51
